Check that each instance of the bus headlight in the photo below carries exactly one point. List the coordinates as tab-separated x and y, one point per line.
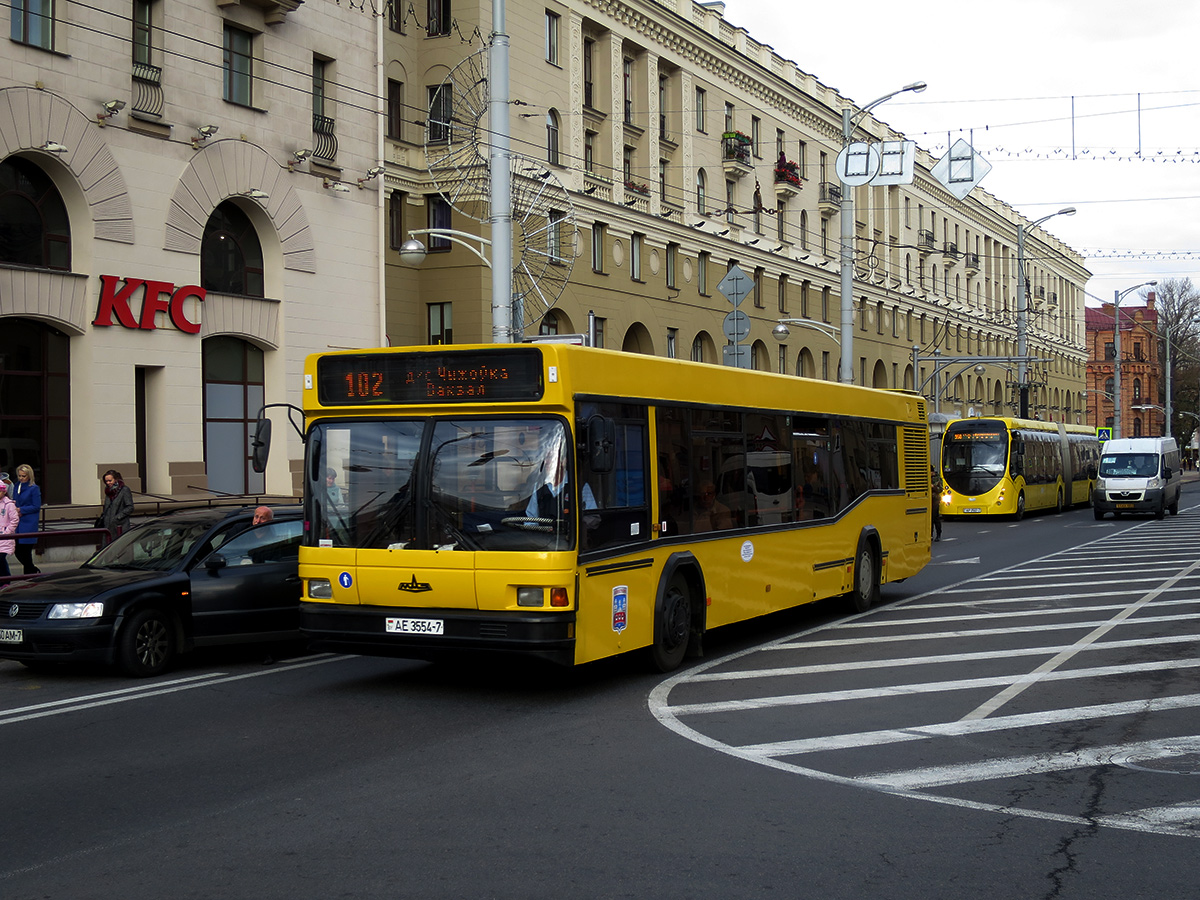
531	596
320	588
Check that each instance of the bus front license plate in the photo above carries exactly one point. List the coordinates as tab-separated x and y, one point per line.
972	509
11	636
415	626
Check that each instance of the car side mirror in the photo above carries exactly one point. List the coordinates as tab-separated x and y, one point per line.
214	562
1167	472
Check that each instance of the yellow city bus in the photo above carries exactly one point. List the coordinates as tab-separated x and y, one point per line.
1003	466
575	503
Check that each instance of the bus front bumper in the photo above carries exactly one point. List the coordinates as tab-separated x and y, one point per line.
377	631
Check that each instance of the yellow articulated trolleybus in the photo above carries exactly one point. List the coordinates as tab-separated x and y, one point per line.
574	503
1003	466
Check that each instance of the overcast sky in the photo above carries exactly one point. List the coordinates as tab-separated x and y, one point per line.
1010	72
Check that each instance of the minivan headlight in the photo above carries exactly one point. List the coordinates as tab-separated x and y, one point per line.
93	609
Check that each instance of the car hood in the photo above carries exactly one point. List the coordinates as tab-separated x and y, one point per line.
82	584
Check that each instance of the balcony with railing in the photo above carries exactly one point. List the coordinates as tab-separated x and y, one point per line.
971	260
325	143
147	91
829	197
925	241
736	154
787	178
949	253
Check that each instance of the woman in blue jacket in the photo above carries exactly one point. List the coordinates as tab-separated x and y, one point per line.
28	497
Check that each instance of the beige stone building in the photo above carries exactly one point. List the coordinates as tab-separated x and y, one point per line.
683	146
167	256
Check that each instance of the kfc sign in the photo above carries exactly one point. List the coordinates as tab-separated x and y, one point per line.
157	296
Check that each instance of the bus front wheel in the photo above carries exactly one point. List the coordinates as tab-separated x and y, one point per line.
866	576
1020	513
673	626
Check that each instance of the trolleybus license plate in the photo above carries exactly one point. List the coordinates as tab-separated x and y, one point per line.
972	509
10	636
415	626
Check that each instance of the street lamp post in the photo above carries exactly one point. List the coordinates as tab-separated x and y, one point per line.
1118	296
1023	312
849	121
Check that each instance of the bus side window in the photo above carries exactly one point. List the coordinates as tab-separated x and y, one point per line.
621	511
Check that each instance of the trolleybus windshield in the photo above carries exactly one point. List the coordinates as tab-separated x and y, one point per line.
974	457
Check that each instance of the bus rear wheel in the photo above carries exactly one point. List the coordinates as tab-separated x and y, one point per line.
1059	507
866	577
674	625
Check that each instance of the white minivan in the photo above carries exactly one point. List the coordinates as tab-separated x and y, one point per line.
1138	475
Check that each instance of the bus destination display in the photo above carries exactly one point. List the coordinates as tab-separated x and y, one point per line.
441	377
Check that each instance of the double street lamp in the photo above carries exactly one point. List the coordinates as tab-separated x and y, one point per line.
1118	296
1023	312
849	122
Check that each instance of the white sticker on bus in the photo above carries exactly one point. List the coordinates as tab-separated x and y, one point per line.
747	551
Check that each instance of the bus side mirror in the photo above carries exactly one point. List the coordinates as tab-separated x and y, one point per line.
260	445
602	443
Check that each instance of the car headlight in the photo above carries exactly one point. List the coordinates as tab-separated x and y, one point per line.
320	589
93	609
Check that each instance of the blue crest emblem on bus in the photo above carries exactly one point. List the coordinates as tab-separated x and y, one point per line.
620	607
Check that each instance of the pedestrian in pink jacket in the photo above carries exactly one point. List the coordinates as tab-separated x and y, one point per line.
10	516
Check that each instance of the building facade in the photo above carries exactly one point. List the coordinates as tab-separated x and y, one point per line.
182	224
1141	370
683	146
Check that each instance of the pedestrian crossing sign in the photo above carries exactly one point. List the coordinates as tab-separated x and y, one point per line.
1104	434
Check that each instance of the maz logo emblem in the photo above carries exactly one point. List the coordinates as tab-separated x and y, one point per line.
415	587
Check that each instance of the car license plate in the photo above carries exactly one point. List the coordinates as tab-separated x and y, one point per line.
1124	506
415	626
972	509
11	636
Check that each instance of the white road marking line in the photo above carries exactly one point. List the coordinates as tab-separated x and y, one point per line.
1186	813
888	663
962	633
11	717
930	687
967	727
1034	764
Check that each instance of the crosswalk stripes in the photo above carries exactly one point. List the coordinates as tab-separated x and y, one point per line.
1097	596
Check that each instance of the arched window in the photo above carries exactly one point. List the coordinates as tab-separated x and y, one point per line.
701	201
34	228
549	324
1137	390
552	137
1108	388
233	395
231	258
35	415
804	229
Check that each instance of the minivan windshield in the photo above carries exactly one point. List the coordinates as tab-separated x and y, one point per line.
441	484
1128	465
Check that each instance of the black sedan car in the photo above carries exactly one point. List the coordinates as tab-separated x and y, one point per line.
188	579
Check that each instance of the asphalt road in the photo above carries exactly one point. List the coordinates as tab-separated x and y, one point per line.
1012	723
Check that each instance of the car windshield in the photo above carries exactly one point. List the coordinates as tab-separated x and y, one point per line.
1128	465
155	546
444	484
973	459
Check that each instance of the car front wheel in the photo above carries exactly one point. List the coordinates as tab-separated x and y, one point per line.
146	645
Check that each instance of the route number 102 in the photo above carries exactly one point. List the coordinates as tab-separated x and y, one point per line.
364	384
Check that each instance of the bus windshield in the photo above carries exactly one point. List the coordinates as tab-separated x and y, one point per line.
1128	465
973	459
441	484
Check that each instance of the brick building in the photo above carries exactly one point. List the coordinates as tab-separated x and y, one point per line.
1141	369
